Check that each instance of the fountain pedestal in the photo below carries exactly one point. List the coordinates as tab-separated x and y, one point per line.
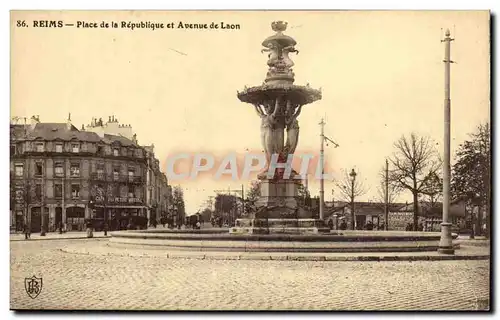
279	212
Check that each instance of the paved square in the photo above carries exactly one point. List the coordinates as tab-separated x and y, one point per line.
87	281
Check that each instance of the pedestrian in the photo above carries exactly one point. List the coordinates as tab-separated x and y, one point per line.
330	224
90	233
60	227
105	227
343	225
26	231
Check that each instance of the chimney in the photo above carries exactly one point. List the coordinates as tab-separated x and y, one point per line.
68	123
34	121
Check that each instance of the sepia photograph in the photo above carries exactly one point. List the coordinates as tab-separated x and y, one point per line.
335	160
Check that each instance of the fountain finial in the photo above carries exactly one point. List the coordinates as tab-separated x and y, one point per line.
279	26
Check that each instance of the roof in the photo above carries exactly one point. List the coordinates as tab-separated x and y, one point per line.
18	130
60	131
110	138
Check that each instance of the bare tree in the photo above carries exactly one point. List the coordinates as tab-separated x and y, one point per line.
432	190
393	189
414	162
350	187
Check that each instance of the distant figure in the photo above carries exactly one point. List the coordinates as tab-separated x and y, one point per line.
343	225
105	228
369	225
330	224
27	232
90	232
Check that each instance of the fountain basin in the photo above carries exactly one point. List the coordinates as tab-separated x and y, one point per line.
221	240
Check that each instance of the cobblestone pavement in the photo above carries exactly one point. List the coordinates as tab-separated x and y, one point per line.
79	281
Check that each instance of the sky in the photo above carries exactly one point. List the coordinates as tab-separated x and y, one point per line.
381	75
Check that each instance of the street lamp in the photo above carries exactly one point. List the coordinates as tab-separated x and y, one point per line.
445	243
353	175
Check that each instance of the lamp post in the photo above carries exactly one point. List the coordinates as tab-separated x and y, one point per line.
445	243
353	216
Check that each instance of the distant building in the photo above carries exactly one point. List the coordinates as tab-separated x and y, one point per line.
400	214
74	175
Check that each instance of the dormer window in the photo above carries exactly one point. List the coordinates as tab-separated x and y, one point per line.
75	147
59	147
116	152
39	147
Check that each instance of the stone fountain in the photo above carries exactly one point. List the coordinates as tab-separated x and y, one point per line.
278	102
280	223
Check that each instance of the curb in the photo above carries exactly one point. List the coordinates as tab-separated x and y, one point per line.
295	258
45	239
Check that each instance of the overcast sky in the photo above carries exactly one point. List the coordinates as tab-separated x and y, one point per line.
381	74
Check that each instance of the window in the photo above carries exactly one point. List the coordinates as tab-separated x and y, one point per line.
75	147
19	170
75	191
75	170
116	152
58	190
38	169
130	152
38	191
116	173
100	171
59	147
100	150
131	191
131	174
39	146
12	150
59	169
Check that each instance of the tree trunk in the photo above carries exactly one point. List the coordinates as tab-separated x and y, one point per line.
415	211
479	221
487	221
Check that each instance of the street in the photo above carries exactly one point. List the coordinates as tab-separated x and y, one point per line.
87	281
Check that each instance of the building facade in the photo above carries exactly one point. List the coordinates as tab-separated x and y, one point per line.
69	175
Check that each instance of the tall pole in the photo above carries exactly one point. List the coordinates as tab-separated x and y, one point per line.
242	200
445	243
353	216
386	207
321	163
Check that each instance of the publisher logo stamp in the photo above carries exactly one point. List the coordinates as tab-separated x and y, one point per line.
33	286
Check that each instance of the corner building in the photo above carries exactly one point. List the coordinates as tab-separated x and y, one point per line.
70	175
